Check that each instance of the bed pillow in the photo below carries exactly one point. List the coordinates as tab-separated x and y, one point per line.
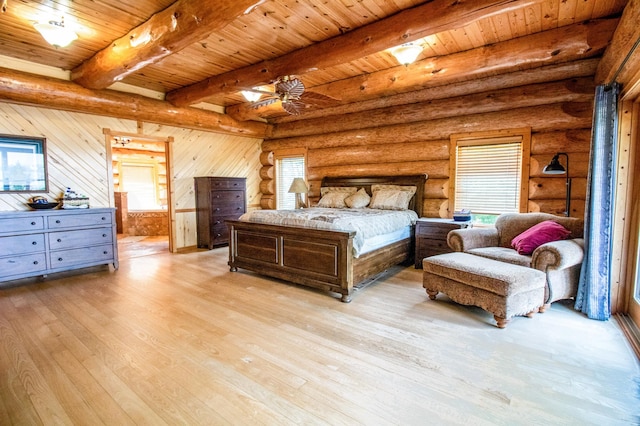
333	199
390	199
377	187
358	200
541	233
348	189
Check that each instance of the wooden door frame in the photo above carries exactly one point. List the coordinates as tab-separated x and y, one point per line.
168	151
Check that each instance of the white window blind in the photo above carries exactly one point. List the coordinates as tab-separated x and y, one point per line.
488	174
287	168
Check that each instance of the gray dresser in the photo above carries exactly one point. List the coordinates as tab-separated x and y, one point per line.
40	242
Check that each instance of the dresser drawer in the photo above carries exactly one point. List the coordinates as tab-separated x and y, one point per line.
431	247
18	224
220	233
10	266
72	221
227	196
20	244
227	183
221	212
81	238
434	231
80	256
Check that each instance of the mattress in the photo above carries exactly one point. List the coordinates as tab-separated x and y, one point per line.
374	228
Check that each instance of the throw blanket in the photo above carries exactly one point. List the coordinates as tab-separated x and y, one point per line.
365	222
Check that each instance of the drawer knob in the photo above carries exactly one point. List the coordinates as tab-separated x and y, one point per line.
105	252
218	209
35	243
218	235
58	221
104	235
59	259
104	218
59	240
33	223
35	262
217	222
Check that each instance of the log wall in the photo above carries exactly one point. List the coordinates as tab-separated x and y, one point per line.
415	139
77	158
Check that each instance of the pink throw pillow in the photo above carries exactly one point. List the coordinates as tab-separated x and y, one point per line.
541	233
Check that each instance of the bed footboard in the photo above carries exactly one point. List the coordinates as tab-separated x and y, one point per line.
312	257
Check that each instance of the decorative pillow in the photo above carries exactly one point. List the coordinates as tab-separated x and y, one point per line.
333	199
347	189
541	233
389	199
358	200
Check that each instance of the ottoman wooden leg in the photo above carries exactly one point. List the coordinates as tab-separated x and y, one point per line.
432	294
544	307
530	314
500	322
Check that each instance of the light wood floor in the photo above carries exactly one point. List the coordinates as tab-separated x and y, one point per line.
178	339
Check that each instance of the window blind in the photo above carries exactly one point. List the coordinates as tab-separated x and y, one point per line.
287	169
488	176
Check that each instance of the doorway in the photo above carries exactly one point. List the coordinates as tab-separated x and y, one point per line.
140	193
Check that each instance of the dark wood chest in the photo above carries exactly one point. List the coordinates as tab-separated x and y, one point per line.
218	199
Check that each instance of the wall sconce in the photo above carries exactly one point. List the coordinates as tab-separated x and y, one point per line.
55	33
298	186
406	53
555	168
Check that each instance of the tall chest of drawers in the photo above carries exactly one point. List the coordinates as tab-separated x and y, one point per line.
40	242
218	199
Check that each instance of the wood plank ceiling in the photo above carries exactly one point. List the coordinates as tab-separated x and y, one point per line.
195	54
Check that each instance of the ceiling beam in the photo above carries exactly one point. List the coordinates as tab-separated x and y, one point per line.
179	26
47	92
619	62
564	44
409	25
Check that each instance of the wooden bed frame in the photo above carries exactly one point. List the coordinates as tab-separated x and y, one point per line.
320	258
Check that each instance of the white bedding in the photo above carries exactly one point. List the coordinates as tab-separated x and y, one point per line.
367	223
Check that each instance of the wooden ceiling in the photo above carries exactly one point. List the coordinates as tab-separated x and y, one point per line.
196	55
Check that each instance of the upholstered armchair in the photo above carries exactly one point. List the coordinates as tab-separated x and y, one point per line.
560	260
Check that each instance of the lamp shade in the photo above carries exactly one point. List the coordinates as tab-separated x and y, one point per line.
406	53
55	33
554	167
298	186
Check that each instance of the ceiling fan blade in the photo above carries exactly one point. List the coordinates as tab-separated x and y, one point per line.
264	102
293	107
318	99
292	88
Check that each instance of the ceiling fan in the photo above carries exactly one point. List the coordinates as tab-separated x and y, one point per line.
291	92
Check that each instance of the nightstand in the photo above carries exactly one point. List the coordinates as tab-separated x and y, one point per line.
431	237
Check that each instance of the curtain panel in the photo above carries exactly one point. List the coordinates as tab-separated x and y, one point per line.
594	289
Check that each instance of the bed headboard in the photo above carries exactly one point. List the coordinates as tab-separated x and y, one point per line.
365	182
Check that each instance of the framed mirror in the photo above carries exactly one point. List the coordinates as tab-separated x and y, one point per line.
23	164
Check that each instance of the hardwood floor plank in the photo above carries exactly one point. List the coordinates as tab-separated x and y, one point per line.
178	339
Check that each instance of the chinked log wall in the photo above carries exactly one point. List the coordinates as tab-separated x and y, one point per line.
414	138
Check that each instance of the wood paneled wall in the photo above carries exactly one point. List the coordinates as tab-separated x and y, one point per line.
76	154
415	139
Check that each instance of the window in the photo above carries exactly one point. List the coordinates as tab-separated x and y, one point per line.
23	166
288	167
488	175
139	180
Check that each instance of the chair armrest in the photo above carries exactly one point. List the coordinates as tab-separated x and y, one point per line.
558	254
470	238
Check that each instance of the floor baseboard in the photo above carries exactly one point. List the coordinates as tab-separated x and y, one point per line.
631	331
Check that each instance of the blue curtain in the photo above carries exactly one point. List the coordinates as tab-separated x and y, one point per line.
593	296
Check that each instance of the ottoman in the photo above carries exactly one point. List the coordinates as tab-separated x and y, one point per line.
501	288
